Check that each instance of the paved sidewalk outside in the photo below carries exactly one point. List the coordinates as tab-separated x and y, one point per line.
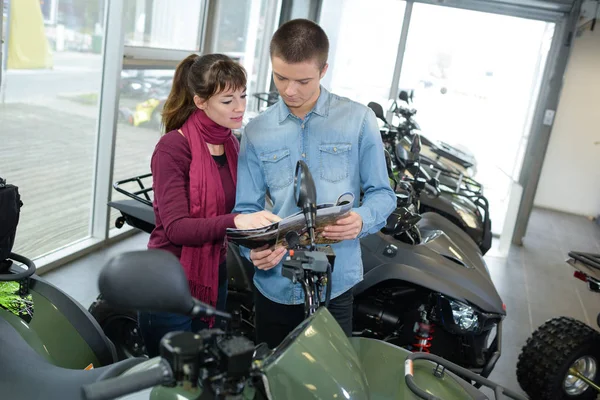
50	155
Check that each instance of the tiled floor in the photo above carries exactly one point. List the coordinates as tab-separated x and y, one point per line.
534	281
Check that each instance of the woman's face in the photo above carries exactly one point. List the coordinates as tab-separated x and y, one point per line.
226	108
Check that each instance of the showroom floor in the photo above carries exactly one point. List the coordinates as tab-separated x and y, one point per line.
534	281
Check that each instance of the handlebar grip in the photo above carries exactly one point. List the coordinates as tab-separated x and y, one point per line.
126	384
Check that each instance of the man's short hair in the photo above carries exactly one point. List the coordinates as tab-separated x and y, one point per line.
300	40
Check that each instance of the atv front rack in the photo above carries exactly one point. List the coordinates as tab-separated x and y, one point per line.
589	259
136	195
442	364
587	266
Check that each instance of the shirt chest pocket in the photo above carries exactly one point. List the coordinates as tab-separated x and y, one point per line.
277	165
334	161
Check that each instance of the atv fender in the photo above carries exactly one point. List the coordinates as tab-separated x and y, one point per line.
428	280
431	220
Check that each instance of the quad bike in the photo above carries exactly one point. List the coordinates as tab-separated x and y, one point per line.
459	199
426	286
42	329
316	360
420	271
29	304
437	152
561	360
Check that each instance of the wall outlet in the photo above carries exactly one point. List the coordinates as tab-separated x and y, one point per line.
549	117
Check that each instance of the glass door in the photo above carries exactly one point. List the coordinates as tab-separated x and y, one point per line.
476	78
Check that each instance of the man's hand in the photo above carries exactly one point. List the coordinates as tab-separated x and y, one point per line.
264	258
345	228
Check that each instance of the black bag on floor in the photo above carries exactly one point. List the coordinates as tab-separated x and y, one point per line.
10	207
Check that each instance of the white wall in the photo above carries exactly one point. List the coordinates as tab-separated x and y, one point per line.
570	179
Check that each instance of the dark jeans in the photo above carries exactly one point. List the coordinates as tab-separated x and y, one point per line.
275	321
155	325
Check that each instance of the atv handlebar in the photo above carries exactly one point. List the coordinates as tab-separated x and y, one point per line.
112	388
211	359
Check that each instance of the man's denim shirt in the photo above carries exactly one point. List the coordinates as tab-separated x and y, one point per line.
340	142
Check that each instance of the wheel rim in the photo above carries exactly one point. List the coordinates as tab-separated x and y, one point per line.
587	366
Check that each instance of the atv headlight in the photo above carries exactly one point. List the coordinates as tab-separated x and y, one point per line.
459	318
464	316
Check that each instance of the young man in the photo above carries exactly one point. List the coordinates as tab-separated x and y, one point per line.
340	142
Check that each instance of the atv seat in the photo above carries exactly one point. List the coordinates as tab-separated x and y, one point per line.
27	375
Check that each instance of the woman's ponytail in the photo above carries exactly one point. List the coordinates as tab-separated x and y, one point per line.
180	103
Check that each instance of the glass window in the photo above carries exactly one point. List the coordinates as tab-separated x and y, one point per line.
169	24
49	117
240	33
363	46
142	97
161	24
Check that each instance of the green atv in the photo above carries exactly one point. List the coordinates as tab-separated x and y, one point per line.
61	351
48	357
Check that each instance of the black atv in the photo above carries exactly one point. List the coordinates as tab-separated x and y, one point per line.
460	198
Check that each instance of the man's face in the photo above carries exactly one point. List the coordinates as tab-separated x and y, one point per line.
298	84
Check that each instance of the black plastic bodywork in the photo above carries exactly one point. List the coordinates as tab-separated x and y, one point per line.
456	192
442	264
445	204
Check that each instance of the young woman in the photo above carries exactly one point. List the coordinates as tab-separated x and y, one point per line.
194	168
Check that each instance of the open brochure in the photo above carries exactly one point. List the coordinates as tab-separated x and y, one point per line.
274	234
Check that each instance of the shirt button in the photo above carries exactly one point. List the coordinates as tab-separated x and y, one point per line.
302	126
274	157
334	149
303	155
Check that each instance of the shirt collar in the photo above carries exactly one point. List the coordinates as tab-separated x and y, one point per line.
321	108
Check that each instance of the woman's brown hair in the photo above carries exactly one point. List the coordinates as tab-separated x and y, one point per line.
204	76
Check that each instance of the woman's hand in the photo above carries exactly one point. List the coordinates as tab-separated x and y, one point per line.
265	258
255	220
